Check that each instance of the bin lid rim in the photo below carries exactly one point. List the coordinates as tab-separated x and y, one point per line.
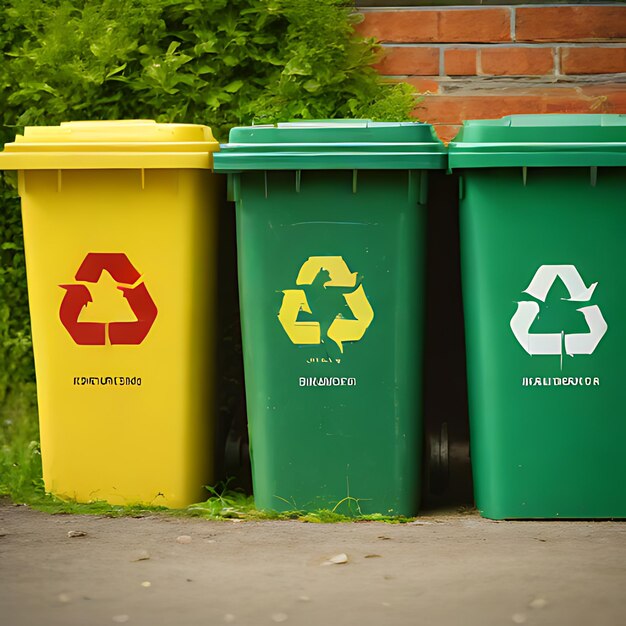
333	124
333	132
564	158
546	140
545	131
255	161
332	144
552	120
23	147
521	145
325	144
106	160
112	133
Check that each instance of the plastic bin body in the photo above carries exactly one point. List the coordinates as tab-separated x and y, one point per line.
331	250
542	221
120	275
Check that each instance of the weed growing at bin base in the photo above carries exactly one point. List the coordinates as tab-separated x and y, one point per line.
21	480
235	505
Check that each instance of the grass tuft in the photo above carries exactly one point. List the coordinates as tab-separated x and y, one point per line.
21	480
20	456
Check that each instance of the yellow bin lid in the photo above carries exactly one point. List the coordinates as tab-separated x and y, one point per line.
120	144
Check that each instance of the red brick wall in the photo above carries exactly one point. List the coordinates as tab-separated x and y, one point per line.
481	62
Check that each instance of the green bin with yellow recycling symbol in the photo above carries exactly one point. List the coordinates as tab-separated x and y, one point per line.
330	223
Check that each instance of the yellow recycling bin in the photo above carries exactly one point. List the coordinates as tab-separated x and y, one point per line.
119	226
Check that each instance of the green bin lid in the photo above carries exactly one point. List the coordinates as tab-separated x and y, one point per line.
553	140
332	144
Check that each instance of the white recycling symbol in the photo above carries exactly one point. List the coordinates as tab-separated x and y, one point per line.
551	343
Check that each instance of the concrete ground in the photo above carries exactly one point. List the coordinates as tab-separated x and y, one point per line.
443	569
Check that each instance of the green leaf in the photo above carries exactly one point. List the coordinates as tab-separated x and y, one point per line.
312	85
116	70
264	39
234	86
229	59
172	48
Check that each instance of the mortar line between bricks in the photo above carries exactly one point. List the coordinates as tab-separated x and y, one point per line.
442	67
484	7
556	57
463	45
497	81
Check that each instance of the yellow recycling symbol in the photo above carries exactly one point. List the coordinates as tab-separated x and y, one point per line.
340	330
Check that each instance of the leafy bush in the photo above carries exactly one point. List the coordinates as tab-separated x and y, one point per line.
16	363
221	62
16	360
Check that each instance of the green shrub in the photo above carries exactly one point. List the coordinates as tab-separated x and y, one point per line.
221	62
16	360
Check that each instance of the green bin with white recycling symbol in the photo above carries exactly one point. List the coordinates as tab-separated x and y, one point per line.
330	237
543	225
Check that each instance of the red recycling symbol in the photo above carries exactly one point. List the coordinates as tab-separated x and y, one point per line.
78	296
